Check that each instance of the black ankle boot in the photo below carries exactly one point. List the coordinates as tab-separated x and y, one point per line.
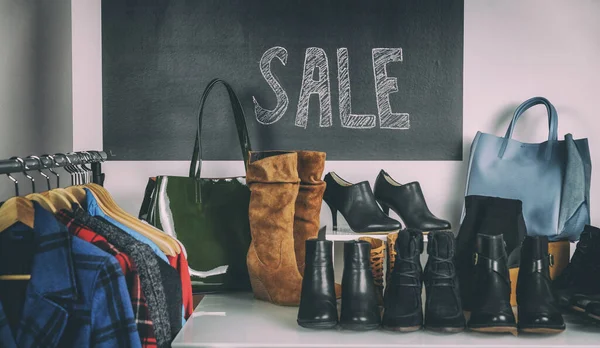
359	300
318	307
358	206
581	275
403	310
491	216
408	202
443	308
491	310
537	311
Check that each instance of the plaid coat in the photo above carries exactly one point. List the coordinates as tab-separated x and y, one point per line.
76	297
141	312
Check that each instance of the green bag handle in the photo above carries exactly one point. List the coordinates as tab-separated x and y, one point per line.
240	123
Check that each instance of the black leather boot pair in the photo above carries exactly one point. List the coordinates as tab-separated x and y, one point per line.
358	205
491	309
403	310
578	286
318	307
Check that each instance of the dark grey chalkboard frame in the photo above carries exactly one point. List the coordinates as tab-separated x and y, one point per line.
159	54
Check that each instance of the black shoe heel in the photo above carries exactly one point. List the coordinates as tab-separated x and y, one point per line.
384	207
333	216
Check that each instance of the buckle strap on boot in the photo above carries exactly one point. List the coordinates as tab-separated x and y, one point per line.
539	264
494	264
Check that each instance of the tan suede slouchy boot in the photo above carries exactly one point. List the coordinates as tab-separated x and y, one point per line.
272	177
308	204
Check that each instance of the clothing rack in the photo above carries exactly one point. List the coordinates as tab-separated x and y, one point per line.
30	163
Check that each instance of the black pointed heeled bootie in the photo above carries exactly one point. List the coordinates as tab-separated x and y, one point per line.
408	202
536	303
403	309
359	300
491	310
580	276
318	306
443	307
491	216
357	205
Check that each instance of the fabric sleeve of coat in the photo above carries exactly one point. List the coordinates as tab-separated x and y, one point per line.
181	265
172	285
112	315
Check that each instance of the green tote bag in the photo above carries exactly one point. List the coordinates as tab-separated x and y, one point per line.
208	216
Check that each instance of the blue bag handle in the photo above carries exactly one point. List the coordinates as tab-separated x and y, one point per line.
552	123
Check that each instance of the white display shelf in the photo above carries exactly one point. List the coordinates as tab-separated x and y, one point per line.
346	236
238	320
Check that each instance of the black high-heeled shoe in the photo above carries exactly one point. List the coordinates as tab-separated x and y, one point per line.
408	202
357	205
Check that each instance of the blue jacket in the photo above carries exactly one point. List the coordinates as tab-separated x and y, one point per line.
77	296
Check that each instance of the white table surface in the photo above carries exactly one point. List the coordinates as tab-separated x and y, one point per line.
238	320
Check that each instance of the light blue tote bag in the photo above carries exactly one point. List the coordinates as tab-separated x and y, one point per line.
552	179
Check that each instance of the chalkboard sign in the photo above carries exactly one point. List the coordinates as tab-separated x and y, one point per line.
360	80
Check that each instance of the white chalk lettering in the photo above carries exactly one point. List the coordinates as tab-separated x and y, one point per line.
315	58
266	116
384	86
349	120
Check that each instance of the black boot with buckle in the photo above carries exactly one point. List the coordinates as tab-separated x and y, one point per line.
403	309
491	310
443	308
581	275
537	311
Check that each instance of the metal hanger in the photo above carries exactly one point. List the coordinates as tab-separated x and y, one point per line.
41	164
16	209
24	169
77	191
53	164
58	201
43	201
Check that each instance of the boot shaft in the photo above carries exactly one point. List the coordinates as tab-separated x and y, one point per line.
441	249
318	280
319	253
356	255
491	281
409	247
308	203
584	265
534	272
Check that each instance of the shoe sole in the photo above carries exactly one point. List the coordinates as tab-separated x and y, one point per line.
445	329
359	232
403	328
541	330
594	316
496	329
318	325
578	309
359	327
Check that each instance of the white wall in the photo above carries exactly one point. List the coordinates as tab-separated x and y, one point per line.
35	81
513	50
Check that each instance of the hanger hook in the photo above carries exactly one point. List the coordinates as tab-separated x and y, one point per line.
68	167
42	166
15	181
54	164
24	168
88	158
